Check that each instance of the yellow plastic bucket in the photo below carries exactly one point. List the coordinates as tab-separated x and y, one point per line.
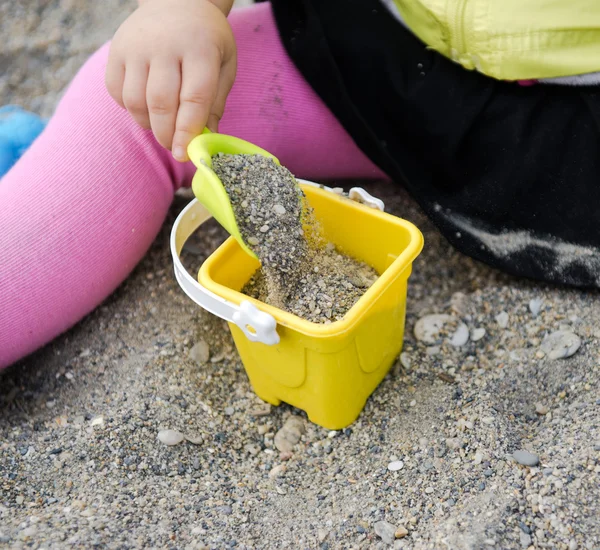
329	371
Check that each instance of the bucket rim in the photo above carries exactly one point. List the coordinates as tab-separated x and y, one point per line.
396	269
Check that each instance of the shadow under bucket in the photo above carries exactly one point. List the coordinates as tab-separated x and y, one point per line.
329	371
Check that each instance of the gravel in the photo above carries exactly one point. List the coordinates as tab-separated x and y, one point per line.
103	391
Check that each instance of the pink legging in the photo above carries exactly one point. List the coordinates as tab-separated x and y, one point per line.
83	205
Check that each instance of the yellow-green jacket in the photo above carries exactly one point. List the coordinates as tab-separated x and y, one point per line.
510	39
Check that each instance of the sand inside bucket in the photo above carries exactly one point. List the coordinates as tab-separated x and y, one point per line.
300	272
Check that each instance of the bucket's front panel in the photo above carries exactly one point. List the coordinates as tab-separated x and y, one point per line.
284	363
331	387
336	387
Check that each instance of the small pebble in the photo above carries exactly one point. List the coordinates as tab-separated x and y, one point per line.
170	437
561	344
200	353
477	334
535	306
395	465
277	471
460	337
401	532
524	539
525	528
279	209
526	458
385	531
406	361
194	439
428	329
289	435
502	319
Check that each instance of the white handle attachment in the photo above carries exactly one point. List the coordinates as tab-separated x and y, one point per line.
358	194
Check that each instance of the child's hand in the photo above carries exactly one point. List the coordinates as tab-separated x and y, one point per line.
171	65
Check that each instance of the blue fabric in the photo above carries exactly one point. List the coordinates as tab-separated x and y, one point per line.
18	130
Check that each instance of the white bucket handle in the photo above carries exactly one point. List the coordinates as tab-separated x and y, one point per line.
257	325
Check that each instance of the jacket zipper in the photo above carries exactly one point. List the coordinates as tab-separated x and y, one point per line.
458	27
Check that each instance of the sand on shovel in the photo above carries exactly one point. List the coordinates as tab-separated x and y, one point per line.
300	273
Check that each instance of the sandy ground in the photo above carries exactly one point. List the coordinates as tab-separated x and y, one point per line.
429	462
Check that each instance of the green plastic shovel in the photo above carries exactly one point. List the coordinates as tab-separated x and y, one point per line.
208	188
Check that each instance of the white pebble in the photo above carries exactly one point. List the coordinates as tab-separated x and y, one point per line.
279	209
253	241
170	437
98	421
200	353
461	336
428	328
477	334
535	306
502	319
264	228
525	539
395	465
277	471
561	344
526	458
385	531
405	360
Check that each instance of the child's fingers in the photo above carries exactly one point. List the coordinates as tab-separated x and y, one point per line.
162	97
198	91
226	79
134	92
